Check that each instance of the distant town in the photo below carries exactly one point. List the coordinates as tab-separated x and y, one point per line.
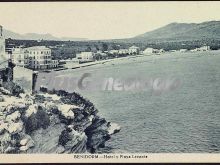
41	58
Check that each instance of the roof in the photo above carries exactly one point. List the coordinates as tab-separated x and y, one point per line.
149	49
38	48
134	47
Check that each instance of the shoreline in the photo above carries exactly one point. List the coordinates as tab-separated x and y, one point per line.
51	122
78	66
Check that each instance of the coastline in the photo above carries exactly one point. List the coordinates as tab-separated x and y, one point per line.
157	56
51	122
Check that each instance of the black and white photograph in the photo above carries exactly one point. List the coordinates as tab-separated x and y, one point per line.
110	80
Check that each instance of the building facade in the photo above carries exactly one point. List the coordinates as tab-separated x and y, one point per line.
39	57
204	48
85	56
20	57
36	58
149	51
113	52
123	51
54	64
134	50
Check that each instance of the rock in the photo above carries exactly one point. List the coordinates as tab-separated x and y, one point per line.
5	138
70	144
57	122
52	96
31	109
29	100
81	146
26	143
39	98
30	143
91	118
23	142
2	127
67	110
2	99
20	105
50	105
96	139
10	150
13	117
43	88
9	108
22	95
113	128
15	127
4	91
60	149
24	148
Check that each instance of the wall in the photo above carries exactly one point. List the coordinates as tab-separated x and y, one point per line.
23	77
3	55
6	74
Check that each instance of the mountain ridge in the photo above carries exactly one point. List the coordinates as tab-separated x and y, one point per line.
182	31
171	32
36	36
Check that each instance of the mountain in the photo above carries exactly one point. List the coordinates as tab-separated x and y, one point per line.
35	36
182	31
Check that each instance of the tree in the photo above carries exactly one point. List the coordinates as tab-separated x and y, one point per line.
104	47
97	47
88	49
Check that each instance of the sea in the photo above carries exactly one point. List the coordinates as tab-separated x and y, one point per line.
176	110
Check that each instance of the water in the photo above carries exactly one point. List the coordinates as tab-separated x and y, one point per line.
182	120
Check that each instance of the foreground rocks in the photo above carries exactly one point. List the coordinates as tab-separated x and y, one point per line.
51	122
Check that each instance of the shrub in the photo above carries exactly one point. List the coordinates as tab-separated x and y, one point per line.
35	121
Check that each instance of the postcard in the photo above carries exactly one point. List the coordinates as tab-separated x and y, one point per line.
109	82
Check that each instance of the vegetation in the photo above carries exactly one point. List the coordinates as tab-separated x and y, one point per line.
37	120
69	49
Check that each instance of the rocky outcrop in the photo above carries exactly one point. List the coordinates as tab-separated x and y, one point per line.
51	122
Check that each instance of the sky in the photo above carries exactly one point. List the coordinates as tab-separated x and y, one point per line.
102	20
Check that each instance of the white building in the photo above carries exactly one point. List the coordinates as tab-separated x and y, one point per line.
123	51
134	50
36	57
204	48
183	50
20	57
161	51
149	51
39	57
85	56
114	52
54	64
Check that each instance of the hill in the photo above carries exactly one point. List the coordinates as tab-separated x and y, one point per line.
35	36
182	32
